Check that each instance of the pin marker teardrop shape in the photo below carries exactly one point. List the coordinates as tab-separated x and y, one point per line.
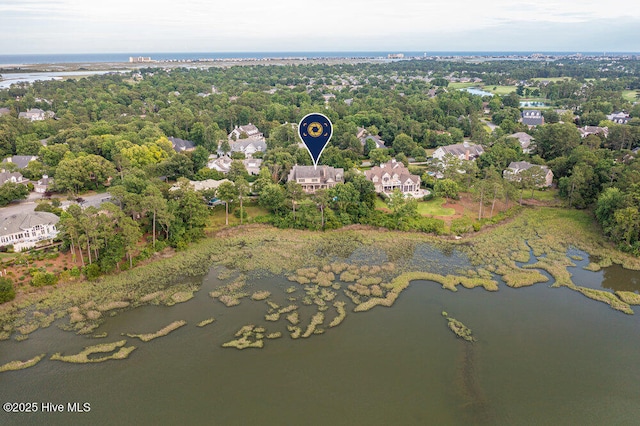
315	130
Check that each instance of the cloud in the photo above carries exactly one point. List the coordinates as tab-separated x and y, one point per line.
254	25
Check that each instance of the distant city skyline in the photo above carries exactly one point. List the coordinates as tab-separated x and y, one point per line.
147	26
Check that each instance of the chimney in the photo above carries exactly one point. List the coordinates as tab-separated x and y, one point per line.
466	154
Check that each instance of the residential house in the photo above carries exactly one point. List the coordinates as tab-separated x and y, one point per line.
517	167
21	161
393	175
248	131
593	130
15	177
248	146
363	135
181	145
313	178
4	111
619	117
462	151
525	140
36	114
25	230
223	164
43	185
532	117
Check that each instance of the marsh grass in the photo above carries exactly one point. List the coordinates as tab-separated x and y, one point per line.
605	297
524	278
260	295
342	314
628	297
83	357
21	365
162	332
249	336
316	320
205	322
458	328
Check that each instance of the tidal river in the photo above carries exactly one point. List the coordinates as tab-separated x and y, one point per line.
542	356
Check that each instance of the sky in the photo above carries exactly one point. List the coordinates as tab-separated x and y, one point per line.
147	26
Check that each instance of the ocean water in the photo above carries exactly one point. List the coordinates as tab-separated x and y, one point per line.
182	56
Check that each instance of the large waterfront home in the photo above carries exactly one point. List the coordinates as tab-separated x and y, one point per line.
313	178
25	230
393	175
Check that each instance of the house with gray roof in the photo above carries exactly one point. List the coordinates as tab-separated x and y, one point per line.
363	135
512	172
313	178
25	230
223	164
36	114
181	145
4	111
532	117
619	117
593	130
462	151
249	130
22	161
15	177
393	175
43	185
526	141
248	146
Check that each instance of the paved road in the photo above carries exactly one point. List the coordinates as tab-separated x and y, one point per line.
29	205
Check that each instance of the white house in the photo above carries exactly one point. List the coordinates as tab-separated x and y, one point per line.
250	130
223	164
25	230
36	114
248	146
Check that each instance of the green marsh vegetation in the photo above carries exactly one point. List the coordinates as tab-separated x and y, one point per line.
83	357
459	328
21	365
334	272
162	332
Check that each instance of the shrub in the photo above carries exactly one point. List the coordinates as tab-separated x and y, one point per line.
477	226
40	278
7	292
92	272
461	225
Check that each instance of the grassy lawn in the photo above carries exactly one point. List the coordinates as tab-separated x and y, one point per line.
630	95
434	208
500	90
457	85
217	219
554	79
381	205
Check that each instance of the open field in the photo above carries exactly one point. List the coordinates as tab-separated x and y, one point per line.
631	95
500	90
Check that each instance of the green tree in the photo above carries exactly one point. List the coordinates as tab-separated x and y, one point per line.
242	189
11	191
272	197
227	192
154	203
7	292
446	188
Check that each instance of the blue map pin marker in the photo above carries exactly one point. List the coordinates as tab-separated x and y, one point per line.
315	130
